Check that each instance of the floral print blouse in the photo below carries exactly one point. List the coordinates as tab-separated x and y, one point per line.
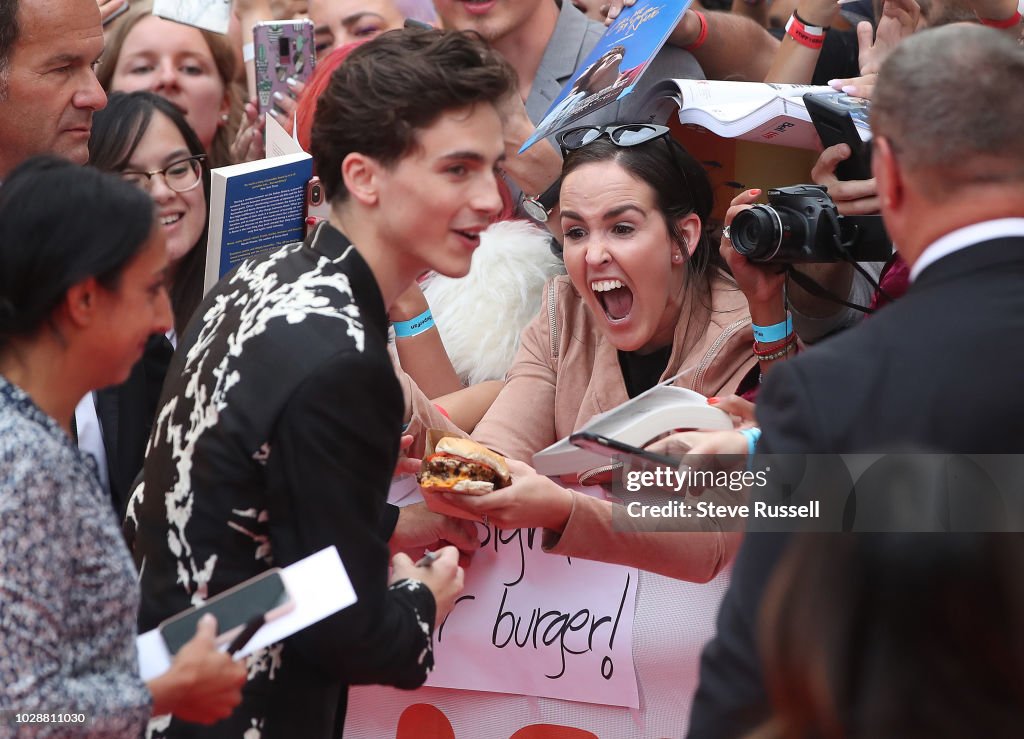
68	591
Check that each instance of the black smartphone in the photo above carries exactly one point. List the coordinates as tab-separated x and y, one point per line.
611	447
833	116
264	595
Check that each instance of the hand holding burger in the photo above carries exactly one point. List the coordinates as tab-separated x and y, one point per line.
528	501
463	466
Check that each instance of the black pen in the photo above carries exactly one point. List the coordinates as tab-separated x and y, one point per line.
254	625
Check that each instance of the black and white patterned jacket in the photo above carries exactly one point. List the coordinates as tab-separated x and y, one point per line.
277	435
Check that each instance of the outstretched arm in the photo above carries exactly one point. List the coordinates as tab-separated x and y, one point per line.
717	53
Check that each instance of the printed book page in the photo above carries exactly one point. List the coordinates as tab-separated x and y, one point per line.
753	111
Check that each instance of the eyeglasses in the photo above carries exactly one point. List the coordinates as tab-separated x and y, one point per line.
627	134
181	176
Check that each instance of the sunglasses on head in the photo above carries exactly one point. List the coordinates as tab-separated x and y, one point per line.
626	134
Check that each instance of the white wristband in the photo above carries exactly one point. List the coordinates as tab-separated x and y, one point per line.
248	52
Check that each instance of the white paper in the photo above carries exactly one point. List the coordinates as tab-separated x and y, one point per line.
212	15
635	422
534	623
318	586
279	143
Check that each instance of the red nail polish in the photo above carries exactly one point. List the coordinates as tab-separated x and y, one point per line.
311	221
712	401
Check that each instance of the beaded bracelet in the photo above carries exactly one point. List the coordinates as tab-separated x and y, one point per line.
813	37
779	353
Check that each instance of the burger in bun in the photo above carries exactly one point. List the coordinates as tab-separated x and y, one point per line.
463	466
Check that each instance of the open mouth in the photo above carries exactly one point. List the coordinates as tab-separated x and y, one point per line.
170	220
473	237
614	297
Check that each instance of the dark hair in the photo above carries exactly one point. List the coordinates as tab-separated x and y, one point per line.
681	186
885	635
396	84
116	132
61	223
8	38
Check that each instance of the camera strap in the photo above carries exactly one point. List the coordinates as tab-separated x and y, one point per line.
812	287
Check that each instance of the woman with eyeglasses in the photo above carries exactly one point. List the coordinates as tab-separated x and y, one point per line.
147	141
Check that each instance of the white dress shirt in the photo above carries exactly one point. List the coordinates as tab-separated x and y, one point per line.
966	237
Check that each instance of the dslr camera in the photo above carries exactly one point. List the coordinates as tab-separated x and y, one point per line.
801	224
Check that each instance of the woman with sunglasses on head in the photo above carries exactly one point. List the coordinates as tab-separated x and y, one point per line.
147	141
645	300
82	266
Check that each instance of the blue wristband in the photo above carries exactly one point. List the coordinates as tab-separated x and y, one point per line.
752	435
414	326
778	332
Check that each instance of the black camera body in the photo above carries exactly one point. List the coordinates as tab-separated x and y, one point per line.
801	224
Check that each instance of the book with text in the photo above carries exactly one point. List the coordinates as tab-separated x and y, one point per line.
765	112
255	207
611	70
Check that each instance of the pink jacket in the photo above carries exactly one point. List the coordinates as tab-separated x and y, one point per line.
566	372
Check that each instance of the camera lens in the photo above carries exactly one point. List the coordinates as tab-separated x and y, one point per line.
756	233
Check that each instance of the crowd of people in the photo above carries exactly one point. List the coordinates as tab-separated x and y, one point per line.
159	446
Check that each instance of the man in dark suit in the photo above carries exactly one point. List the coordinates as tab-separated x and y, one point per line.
940	368
48	94
126	413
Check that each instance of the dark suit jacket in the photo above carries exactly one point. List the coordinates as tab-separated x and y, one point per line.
126	414
941	369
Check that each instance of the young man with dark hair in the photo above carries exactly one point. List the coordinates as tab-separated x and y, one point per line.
281	417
